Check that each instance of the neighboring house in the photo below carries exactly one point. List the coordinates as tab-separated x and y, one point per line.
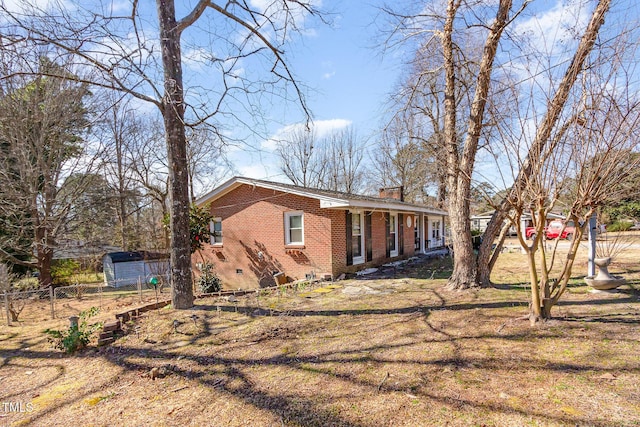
127	268
480	221
264	228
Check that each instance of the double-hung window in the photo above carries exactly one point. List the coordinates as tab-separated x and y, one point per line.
294	228
215	230
435	233
393	235
357	238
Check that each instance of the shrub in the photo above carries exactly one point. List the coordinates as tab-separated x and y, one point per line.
199	219
62	270
26	284
77	336
619	226
209	281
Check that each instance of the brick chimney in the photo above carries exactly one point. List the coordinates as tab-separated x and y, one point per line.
392	193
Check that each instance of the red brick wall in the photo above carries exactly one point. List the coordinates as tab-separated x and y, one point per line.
409	235
254	239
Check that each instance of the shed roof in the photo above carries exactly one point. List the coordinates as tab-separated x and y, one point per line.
135	256
327	198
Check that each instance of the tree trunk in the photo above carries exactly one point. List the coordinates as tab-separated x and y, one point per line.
442	190
460	160
538	147
464	274
44	259
173	116
485	251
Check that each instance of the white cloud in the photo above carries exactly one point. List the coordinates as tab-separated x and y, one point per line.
325	127
196	59
552	30
322	128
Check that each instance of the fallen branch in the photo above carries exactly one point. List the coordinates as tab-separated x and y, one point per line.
382	382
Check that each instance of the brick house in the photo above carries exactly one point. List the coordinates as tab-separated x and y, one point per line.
264	228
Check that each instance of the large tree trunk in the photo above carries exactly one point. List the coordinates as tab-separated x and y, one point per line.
460	160
464	274
173	115
44	257
486	255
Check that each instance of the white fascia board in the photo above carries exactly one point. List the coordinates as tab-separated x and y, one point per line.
394	207
334	203
218	191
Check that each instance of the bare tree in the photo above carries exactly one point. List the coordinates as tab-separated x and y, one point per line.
150	172
299	158
418	110
331	162
121	49
543	143
400	161
206	159
461	158
121	129
343	160
463	147
457	131
588	163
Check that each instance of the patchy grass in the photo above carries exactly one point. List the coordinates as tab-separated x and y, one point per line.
390	349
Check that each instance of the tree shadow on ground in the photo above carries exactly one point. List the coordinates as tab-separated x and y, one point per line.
229	375
232	376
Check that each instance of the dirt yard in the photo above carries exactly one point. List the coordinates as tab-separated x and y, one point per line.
392	348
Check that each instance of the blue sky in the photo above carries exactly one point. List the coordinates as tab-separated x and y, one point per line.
346	77
351	81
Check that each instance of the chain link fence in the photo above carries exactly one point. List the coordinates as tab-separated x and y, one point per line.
39	305
28	306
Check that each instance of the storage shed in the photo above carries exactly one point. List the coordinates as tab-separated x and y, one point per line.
126	268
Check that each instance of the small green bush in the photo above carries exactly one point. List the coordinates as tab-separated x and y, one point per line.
62	270
76	337
619	226
209	281
26	284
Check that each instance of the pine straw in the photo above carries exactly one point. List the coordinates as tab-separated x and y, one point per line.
400	351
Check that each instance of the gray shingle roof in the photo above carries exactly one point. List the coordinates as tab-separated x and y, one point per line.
331	199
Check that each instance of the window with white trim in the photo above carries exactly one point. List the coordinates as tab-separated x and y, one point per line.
215	231
435	230
294	228
357	238
393	234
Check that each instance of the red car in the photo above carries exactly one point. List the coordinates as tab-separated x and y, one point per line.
554	230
